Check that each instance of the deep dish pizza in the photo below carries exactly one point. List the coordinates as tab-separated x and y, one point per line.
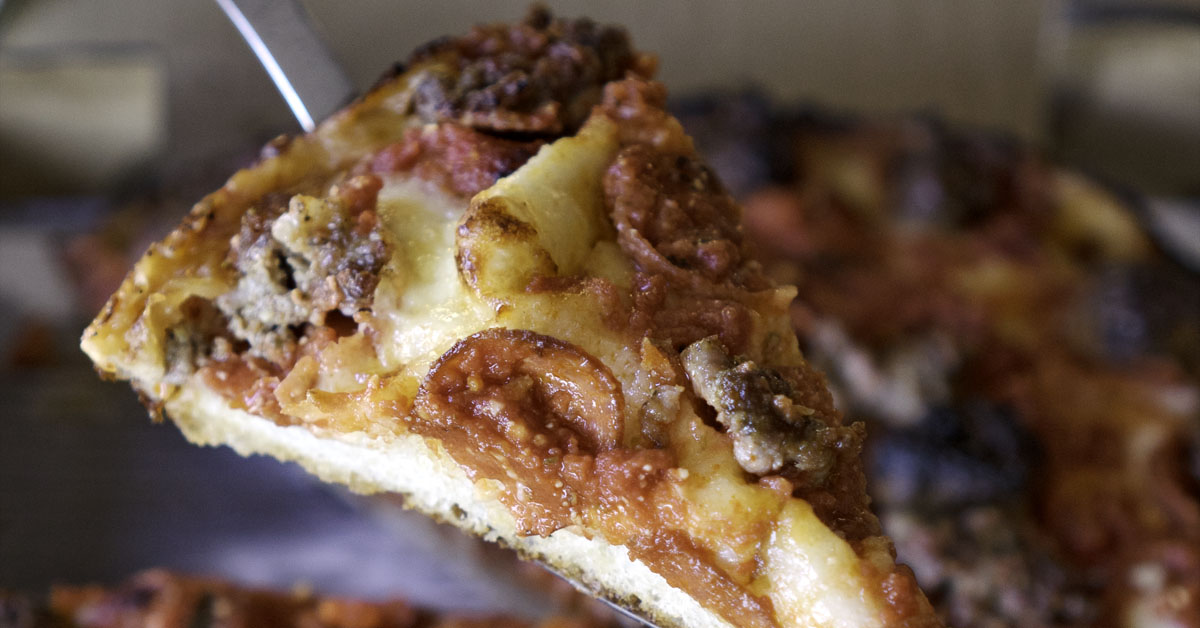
504	285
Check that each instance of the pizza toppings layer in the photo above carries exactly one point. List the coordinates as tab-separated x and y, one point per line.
538	77
771	428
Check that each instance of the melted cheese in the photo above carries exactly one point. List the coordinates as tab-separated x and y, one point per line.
816	576
422	307
558	192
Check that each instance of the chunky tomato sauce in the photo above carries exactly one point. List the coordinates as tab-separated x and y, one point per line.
544	420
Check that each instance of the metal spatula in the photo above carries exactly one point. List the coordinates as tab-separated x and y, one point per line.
301	65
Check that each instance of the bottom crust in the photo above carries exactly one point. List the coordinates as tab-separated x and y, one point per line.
433	483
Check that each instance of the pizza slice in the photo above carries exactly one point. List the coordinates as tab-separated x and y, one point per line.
503	285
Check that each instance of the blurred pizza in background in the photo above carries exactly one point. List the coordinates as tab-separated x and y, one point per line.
1026	359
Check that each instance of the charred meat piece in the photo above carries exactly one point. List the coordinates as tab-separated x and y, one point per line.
770	428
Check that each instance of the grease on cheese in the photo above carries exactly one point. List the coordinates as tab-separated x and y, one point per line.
544	219
558	192
422	307
817	578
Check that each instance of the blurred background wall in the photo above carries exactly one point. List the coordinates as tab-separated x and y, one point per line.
124	83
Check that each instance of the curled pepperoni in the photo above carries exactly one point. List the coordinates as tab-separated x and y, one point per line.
672	215
525	410
463	161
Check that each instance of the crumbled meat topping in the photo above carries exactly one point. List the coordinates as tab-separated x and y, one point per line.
758	407
202	334
319	256
541	76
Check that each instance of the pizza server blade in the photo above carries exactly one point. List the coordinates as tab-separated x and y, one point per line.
298	61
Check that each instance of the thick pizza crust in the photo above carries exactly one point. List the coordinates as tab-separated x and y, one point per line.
434	484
